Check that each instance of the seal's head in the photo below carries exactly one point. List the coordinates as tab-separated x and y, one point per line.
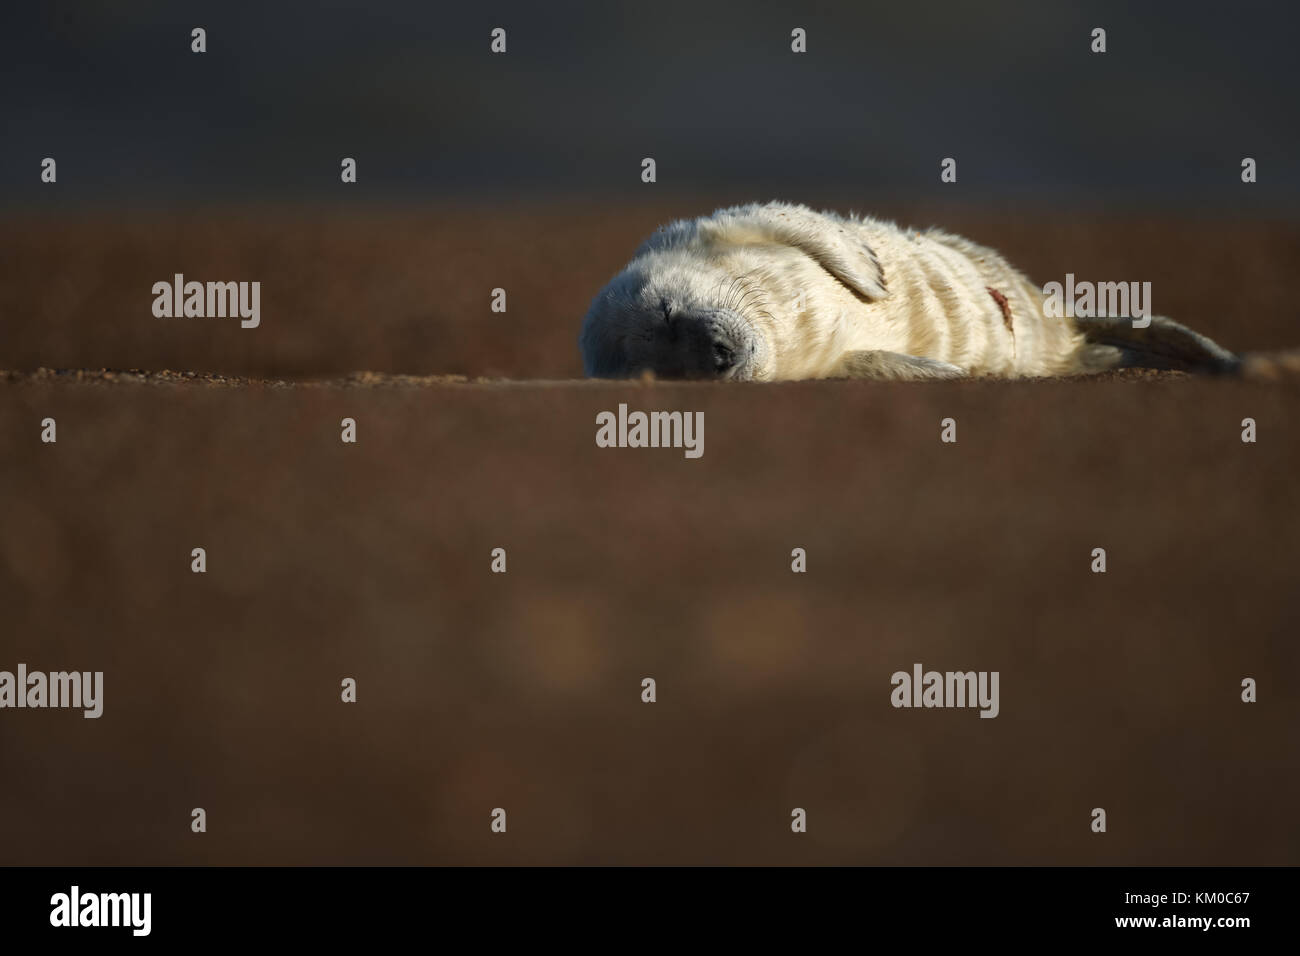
750	293
676	320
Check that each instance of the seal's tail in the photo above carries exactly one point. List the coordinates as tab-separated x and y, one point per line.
1163	344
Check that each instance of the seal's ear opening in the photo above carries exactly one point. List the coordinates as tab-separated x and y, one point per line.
827	240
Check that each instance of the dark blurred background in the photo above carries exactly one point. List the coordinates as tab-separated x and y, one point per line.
710	89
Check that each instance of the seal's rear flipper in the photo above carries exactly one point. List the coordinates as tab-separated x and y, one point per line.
893	366
1164	344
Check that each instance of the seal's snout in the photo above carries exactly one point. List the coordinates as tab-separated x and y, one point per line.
696	346
714	347
671	326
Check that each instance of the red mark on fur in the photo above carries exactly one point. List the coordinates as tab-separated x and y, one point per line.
1003	304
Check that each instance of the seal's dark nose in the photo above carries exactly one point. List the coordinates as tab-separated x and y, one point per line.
724	357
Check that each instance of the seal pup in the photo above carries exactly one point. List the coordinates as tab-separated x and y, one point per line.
774	291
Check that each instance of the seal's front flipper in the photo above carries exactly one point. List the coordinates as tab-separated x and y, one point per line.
1162	344
893	366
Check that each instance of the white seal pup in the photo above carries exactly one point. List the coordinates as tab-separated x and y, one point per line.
778	291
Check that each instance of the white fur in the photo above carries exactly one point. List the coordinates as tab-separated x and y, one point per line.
813	287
